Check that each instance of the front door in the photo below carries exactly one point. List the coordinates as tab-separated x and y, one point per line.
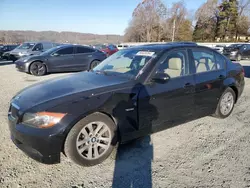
209	77
161	105
62	60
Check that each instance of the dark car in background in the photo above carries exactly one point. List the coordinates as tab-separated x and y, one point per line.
109	49
60	59
133	93
30	48
4	51
237	51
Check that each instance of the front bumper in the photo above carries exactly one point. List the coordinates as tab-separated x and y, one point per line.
22	67
42	145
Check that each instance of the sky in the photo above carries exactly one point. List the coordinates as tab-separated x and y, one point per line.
85	16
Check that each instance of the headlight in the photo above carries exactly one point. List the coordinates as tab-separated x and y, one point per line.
23	53
42	119
234	52
25	60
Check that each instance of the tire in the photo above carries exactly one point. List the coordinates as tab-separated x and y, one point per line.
93	64
238	57
81	149
37	68
224	112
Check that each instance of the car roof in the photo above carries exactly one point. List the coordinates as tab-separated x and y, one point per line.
164	46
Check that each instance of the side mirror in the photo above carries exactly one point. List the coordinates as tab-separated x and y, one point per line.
55	54
161	77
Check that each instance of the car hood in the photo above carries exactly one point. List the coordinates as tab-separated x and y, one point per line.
16	51
78	83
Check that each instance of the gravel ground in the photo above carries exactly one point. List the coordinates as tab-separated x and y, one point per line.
204	153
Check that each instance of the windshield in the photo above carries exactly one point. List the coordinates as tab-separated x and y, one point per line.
51	50
235	45
26	45
126	63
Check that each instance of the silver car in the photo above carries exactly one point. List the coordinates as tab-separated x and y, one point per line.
30	48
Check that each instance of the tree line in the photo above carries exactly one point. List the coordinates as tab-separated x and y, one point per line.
10	37
154	21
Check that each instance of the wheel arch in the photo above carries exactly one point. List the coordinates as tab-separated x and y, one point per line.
92	62
79	118
40	62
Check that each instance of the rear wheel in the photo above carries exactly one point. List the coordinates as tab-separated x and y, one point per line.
91	140
226	104
37	69
94	64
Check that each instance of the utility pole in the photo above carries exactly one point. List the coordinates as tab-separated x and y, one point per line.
173	30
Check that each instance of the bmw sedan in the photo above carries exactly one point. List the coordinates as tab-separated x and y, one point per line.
61	59
133	93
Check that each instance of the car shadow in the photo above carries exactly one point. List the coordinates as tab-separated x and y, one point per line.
247	71
133	160
2	62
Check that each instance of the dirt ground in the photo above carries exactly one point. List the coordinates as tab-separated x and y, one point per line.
204	153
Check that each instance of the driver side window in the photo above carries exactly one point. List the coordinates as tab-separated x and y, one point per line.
175	65
38	47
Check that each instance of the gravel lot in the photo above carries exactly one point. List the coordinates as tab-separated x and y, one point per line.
204	153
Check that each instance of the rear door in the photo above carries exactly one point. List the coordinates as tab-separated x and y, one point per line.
83	57
62	60
210	72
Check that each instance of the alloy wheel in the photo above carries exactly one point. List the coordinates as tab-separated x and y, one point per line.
227	103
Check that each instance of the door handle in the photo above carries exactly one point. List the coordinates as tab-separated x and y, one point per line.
188	85
221	77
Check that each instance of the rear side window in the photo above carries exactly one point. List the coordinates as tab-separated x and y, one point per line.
220	61
82	50
38	47
66	51
204	61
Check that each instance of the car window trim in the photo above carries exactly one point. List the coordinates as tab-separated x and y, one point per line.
163	56
204	49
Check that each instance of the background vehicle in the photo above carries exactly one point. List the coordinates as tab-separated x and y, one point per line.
108	49
30	48
60	59
122	46
132	93
5	49
219	48
237	51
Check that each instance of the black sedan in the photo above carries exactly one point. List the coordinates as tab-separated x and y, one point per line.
135	92
60	59
4	51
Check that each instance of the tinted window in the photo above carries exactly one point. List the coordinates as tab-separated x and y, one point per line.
204	61
47	46
65	51
82	50
175	64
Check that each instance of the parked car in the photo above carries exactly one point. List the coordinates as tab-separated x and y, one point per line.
108	49
135	92
237	51
59	59
219	48
122	46
4	51
30	48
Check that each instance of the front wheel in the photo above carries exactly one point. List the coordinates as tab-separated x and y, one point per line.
94	64
37	69
91	140
226	104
